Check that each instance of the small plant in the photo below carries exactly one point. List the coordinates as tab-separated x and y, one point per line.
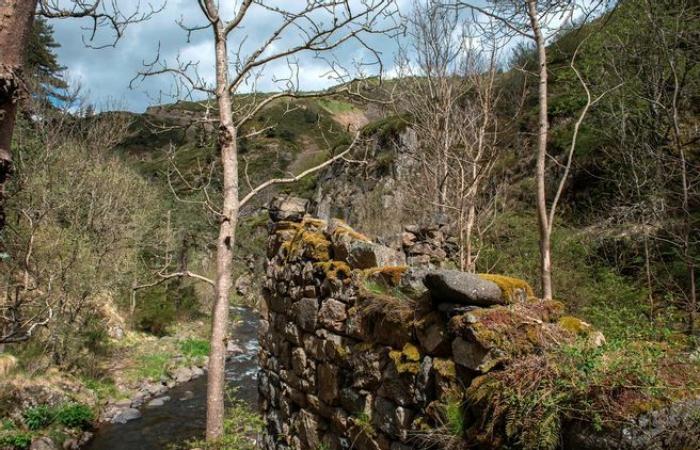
75	415
19	440
38	417
194	347
242	427
153	366
364	423
454	418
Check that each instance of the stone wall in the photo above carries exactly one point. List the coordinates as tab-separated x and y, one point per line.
359	350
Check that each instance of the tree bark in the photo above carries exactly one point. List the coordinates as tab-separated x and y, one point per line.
16	17
544	228
225	243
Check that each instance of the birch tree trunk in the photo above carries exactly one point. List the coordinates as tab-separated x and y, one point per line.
543	129
16	17
225	242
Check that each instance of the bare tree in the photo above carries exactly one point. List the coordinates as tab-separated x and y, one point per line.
448	95
659	181
538	21
16	18
313	26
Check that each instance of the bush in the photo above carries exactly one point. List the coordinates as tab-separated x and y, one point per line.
157	312
38	417
15	439
75	415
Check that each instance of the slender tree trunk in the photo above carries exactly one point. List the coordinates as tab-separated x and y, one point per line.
225	242
647	269
16	17
544	226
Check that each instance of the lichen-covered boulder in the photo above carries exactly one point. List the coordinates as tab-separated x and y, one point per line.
455	286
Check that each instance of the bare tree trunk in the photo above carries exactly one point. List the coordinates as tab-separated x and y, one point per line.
16	17
544	228
225	243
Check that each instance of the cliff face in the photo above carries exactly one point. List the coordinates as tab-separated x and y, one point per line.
361	350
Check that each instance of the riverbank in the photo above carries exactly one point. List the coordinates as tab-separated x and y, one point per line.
38	402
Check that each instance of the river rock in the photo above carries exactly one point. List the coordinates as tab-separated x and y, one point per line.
233	348
182	374
160	401
454	286
126	415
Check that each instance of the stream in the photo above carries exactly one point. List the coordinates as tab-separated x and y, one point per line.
183	417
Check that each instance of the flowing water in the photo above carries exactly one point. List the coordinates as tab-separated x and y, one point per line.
183	416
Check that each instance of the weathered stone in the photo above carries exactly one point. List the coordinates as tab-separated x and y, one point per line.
308	429
366	370
461	287
365	255
126	415
291	333
332	315
472	355
356	402
160	401
42	443
392	419
431	331
305	312
288	208
328	383
298	361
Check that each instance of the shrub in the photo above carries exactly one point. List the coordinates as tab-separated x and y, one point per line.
75	415
38	417
157	312
15	439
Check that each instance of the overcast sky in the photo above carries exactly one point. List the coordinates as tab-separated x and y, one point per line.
105	74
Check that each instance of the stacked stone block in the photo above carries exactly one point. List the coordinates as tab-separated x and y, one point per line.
349	360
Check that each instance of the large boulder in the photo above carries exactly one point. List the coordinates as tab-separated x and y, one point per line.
288	208
454	286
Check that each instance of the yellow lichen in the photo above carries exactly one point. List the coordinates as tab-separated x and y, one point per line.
574	325
389	274
407	359
342	229
336	270
309	244
509	285
445	367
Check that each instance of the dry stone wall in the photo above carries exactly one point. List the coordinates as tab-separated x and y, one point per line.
360	350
